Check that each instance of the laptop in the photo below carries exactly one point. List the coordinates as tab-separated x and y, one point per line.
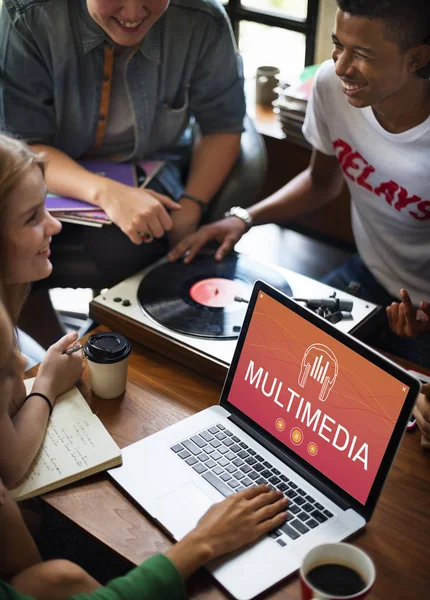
305	408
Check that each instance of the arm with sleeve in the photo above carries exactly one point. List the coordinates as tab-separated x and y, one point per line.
216	99
216	89
155	579
26	90
315	127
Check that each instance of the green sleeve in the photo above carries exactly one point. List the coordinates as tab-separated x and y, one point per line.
7	592
155	579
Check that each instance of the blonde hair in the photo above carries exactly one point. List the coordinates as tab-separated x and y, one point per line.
15	159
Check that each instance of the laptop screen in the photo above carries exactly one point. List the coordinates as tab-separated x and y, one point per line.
329	404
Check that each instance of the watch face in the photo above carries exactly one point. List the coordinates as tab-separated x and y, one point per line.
240	212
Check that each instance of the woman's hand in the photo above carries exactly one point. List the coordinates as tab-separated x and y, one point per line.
137	211
405	320
238	520
58	372
227	232
242	518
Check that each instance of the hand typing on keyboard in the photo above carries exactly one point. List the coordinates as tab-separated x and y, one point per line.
237	521
230	466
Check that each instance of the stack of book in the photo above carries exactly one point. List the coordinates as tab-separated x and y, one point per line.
70	210
291	105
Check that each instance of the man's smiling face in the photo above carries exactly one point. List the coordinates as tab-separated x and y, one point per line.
372	68
126	21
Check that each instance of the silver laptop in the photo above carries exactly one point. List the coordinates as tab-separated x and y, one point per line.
305	408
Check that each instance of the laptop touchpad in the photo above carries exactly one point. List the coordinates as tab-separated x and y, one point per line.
180	510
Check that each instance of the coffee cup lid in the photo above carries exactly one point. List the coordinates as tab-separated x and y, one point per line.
107	347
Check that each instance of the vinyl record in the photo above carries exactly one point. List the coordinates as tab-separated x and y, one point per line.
198	299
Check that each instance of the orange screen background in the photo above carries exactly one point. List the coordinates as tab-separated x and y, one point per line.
365	400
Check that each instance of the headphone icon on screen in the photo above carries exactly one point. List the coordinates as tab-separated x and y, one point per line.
325	374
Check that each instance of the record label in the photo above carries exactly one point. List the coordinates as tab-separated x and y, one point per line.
217	291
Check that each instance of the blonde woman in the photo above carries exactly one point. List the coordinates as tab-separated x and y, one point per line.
26	229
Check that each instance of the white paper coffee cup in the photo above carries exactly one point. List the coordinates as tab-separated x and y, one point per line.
107	356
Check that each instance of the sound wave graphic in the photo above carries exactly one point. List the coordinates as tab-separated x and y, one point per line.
318	372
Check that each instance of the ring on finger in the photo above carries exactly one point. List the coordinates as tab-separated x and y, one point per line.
146	236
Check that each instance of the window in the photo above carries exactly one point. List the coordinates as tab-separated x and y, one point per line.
279	33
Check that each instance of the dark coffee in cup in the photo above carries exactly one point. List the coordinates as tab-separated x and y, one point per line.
336	580
107	357
336	570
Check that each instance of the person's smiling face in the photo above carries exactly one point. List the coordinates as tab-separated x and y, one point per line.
126	21
371	67
27	230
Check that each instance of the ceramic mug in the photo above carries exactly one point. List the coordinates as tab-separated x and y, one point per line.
267	80
336	572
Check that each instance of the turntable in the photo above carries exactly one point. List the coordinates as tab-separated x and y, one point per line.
193	313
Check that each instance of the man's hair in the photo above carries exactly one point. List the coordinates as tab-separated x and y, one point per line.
407	21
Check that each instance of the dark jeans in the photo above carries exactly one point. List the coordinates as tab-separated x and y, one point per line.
90	257
416	350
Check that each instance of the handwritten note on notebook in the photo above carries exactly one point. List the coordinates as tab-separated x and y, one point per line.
76	445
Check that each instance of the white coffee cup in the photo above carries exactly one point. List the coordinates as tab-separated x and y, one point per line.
107	357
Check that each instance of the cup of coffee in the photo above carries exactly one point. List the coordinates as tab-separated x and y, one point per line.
107	357
267	79
335	572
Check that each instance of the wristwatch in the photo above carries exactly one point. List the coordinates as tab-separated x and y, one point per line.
241	213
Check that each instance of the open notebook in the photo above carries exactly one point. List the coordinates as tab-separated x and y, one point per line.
75	446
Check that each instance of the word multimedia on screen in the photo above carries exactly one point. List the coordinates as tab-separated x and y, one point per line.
303	411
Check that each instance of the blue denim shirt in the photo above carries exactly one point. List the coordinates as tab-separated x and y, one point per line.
52	73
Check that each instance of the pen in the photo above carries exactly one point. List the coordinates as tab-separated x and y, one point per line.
74	348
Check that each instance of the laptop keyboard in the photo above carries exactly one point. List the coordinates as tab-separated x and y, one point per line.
230	465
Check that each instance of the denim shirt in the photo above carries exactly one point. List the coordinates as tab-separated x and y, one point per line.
53	72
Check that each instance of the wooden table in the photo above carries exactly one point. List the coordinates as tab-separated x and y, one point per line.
161	392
